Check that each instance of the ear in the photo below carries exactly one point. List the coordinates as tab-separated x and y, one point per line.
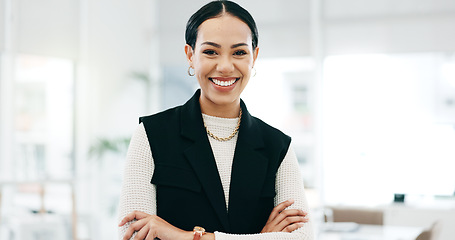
255	55
189	54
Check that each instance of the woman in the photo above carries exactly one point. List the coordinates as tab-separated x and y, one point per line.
209	163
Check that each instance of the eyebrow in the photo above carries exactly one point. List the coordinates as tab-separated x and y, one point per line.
219	46
239	45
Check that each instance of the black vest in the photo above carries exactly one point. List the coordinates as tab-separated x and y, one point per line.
188	187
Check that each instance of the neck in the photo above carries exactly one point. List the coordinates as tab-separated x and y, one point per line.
224	111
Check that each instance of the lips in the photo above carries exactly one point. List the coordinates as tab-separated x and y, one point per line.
224	82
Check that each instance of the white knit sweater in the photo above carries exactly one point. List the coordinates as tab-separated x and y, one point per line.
138	194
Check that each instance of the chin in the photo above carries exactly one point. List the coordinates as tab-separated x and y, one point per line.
224	100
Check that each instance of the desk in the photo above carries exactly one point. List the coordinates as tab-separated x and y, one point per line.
42	219
368	232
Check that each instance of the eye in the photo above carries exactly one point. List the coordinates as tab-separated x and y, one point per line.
240	53
209	52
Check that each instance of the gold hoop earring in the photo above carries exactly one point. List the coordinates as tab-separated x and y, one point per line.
254	75
189	71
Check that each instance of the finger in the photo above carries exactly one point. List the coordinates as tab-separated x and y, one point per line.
305	214
287	213
131	216
294	212
142	233
126	219
129	233
289	221
279	208
136	226
150	236
293	227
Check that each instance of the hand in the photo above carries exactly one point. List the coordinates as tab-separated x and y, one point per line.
281	220
149	227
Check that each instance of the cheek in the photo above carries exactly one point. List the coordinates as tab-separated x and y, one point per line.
246	66
204	65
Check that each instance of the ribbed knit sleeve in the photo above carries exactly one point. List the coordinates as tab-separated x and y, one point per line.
139	194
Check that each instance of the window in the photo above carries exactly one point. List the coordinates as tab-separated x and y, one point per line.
43	118
40	163
388	126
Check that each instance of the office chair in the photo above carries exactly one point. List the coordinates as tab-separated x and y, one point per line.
432	233
357	215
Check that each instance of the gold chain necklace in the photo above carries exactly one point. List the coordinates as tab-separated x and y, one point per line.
230	136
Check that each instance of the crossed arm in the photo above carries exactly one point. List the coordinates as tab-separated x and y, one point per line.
288	220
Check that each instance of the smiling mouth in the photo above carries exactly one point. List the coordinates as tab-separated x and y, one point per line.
224	83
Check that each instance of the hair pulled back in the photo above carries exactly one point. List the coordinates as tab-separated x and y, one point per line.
216	9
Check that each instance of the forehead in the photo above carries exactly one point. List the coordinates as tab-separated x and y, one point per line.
226	29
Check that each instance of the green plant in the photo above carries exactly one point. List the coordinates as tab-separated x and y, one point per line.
104	145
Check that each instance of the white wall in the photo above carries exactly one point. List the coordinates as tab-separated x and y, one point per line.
2	24
355	26
47	27
117	44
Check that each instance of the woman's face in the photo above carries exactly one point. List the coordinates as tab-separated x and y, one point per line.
222	60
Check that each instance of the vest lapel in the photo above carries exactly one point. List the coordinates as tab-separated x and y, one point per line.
249	168
200	156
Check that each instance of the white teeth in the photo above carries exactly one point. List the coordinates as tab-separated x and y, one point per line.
223	83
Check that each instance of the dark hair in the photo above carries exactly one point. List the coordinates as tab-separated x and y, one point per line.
216	9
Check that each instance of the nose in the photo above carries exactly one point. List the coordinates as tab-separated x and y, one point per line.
225	65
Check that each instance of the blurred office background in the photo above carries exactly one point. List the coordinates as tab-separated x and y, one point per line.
366	88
